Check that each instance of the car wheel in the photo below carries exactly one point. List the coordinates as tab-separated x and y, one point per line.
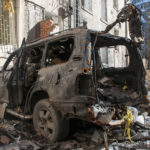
48	122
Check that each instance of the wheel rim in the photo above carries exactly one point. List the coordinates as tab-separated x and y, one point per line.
45	123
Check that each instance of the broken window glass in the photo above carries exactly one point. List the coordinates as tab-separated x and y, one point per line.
59	52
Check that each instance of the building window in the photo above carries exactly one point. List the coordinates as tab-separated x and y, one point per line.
77	13
103	52
115	4
104	9
4	26
7	29
116	32
87	5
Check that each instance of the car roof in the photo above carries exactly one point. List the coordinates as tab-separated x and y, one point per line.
57	35
67	33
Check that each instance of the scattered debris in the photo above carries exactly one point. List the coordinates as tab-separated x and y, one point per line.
17	134
4	139
97	138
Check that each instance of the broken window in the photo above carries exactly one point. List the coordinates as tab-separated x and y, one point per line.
115	3
87	4
59	51
110	58
35	55
104	9
32	61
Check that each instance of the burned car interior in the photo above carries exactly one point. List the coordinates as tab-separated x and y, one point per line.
113	88
123	76
59	51
32	63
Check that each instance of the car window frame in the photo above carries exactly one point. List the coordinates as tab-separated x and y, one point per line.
55	40
7	62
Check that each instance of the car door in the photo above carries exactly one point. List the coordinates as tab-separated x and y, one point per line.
62	64
5	75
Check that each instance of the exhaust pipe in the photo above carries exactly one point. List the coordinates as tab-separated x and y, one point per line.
11	112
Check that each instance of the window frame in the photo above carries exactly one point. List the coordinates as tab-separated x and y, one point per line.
116	5
104	19
7	29
107	64
10	60
87	9
55	40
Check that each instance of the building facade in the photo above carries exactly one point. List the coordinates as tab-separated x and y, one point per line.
95	14
7	32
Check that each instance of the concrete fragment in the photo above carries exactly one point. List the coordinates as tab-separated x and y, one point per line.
4	139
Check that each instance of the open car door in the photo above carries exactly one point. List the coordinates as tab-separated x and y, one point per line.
4	77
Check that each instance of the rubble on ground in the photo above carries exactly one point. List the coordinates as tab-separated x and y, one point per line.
19	135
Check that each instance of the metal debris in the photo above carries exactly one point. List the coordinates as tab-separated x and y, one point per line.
132	15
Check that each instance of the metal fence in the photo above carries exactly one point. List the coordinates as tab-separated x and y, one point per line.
33	14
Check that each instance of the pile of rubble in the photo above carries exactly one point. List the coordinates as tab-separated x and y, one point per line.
134	133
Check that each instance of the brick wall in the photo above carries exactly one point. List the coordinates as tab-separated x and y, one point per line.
41	30
46	27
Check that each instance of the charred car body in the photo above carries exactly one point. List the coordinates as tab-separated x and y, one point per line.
62	76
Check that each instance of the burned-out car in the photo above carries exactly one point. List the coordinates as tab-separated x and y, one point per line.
62	76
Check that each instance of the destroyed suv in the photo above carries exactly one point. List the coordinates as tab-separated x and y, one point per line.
63	76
